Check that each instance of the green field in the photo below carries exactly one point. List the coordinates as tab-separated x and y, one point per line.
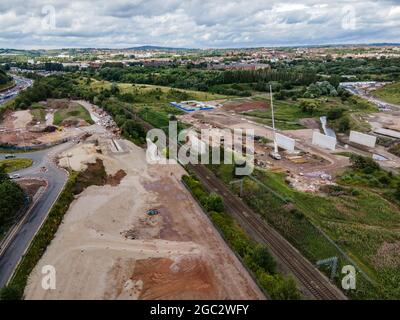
389	93
143	93
11	165
288	113
72	112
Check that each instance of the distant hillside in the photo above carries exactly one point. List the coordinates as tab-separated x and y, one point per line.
146	48
21	52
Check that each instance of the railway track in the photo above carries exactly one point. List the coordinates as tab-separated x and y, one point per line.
317	285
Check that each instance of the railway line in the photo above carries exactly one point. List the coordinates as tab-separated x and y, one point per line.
310	278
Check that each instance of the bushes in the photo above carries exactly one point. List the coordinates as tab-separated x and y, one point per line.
318	89
395	149
335	113
12	198
397	192
365	164
134	130
10	293
278	287
309	107
214	203
259	259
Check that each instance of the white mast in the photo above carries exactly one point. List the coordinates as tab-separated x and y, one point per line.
273	120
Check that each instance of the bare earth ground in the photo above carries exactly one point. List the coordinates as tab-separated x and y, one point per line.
241	106
22	118
109	248
385	120
17	127
304	175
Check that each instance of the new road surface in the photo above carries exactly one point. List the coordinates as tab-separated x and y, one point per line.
56	178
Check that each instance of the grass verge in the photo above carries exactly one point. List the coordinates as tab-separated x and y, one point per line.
11	165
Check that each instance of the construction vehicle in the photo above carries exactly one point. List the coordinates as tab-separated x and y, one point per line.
152	212
275	154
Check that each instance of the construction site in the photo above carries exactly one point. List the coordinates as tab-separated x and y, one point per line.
311	157
139	236
46	124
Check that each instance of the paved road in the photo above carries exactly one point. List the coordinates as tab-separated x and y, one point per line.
56	179
21	83
369	96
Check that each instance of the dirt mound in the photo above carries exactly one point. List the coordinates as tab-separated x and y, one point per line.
388	255
56	103
114	180
73	122
163	278
245	106
22	118
31	186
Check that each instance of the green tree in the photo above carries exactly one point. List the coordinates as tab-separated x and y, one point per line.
214	202
308	106
335	113
365	164
344	124
279	288
262	258
11	200
114	89
397	192
134	129
3	175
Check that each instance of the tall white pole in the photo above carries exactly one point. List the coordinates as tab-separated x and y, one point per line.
273	119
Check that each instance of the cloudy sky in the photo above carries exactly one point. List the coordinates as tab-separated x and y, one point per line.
195	23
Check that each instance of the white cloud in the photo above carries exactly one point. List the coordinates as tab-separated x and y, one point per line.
195	23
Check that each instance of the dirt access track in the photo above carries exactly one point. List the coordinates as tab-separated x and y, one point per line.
109	248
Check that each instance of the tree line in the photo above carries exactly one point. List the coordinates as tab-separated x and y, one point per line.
12	198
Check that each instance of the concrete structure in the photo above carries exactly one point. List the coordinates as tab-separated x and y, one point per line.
388	133
323	141
362	138
285	142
